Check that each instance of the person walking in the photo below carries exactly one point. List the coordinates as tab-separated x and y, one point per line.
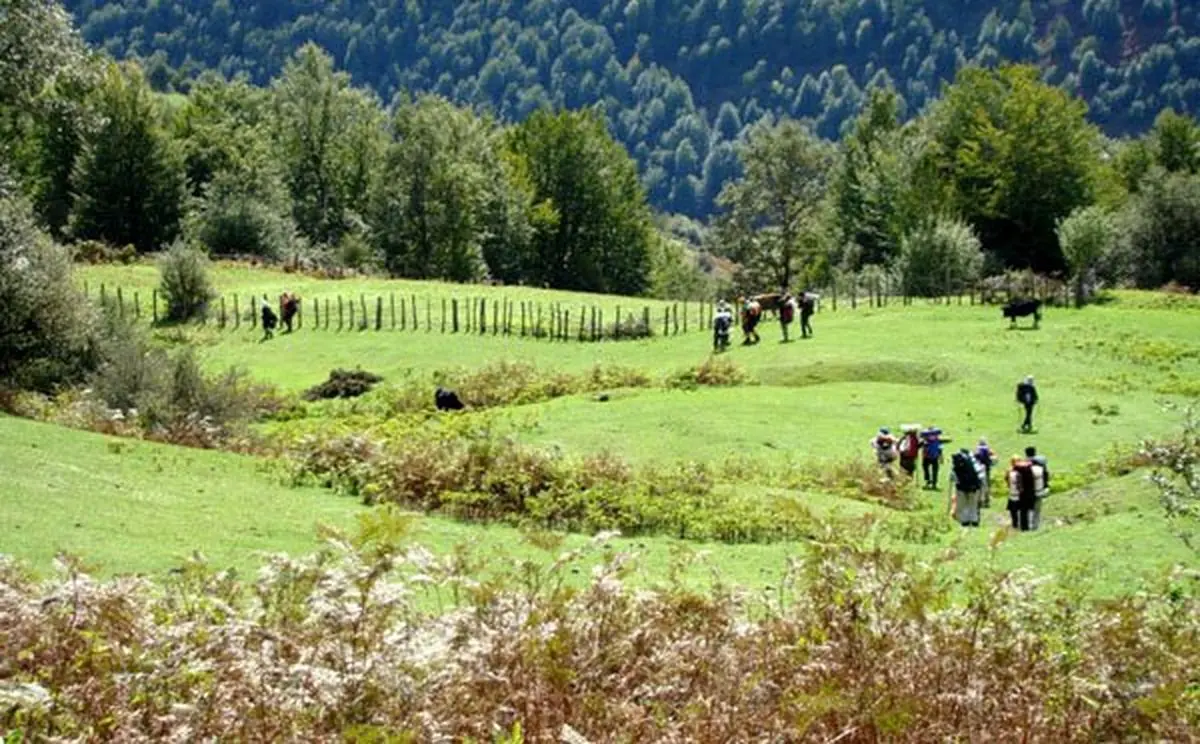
1025	478
1027	396
807	305
884	445
910	449
269	320
931	455
787	313
966	486
722	324
987	456
1042	488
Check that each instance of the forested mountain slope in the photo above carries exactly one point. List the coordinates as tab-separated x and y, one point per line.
680	80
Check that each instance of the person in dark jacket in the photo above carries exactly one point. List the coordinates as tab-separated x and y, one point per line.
1035	517
931	455
269	320
1027	396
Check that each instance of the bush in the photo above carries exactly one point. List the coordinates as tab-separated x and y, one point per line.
97	252
1086	236
715	371
343	383
236	219
1164	231
941	256
47	327
185	285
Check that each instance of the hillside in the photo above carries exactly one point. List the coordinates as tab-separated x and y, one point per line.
680	81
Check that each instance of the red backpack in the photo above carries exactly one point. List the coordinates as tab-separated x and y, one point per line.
910	446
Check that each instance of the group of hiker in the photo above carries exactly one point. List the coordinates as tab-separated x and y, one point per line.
970	479
785	304
289	305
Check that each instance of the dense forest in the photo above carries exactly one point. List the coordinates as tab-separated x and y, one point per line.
680	82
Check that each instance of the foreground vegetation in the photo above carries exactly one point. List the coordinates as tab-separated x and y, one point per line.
853	641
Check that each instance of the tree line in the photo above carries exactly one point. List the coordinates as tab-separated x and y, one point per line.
680	82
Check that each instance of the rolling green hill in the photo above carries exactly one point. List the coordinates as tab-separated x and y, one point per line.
681	81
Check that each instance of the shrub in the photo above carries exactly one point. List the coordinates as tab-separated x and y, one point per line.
1085	237
343	383
185	285
47	327
98	252
716	371
236	218
848	639
941	256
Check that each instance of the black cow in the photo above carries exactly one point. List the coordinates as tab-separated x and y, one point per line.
447	400
1022	309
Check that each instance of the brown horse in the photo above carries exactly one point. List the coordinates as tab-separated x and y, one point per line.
770	301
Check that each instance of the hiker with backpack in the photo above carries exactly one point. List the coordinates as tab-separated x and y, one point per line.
909	449
1027	396
987	457
931	455
966	485
1035	518
807	307
269	320
787	313
722	323
1025	479
884	445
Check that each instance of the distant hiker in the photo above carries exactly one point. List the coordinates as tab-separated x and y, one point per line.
910	449
807	306
1025	478
751	313
722	324
787	312
931	455
269	320
1027	396
288	305
884	445
987	457
966	487
1035	518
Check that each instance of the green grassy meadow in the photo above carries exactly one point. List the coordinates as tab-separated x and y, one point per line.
1103	373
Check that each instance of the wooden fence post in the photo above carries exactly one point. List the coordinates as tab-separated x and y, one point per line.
316	313
351	304
366	319
675	313
237	316
566	325
403	314
137	305
327	318
443	315
416	322
339	311
120	304
392	305
222	321
154	305
685	304
379	312
428	316
454	315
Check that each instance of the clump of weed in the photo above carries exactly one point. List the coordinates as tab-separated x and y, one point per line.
715	371
343	383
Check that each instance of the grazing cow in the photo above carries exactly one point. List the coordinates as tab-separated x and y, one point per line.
1024	308
447	400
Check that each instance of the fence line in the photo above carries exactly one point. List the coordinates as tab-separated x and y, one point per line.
550	320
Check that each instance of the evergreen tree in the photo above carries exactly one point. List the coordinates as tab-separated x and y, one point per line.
129	178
